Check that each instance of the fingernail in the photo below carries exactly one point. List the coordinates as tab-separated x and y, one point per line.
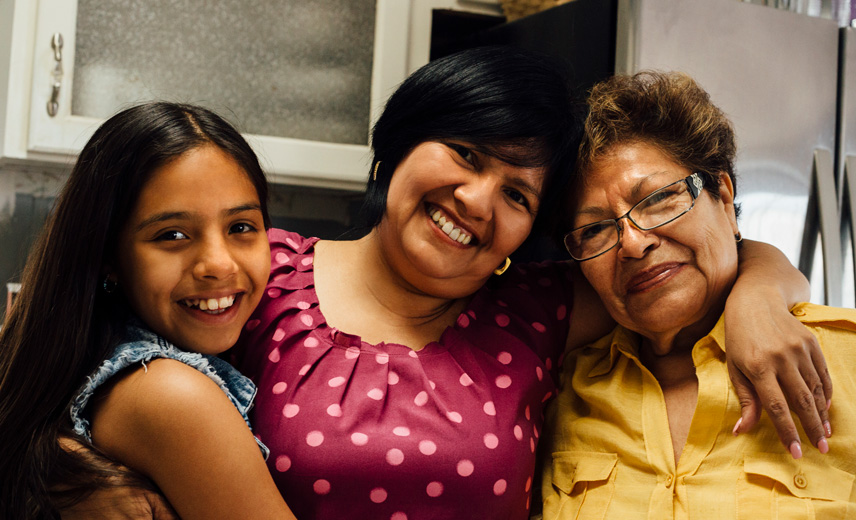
796	450
827	428
736	426
822	446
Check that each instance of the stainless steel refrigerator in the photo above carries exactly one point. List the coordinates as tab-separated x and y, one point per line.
786	80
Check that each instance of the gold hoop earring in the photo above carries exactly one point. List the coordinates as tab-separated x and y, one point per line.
504	267
374	173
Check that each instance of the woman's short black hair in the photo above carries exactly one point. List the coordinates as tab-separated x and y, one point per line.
513	104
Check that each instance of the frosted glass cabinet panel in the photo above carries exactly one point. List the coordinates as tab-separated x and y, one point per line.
290	69
303	79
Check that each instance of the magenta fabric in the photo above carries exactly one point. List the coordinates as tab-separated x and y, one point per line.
384	432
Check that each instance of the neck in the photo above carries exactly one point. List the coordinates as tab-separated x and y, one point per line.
373	301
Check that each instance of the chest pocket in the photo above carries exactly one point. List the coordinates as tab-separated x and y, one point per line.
583	483
779	487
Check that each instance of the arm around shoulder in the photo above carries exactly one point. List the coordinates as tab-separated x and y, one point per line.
176	426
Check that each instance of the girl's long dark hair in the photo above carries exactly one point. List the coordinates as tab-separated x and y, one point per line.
63	325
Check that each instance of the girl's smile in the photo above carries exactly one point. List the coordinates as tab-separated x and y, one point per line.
193	258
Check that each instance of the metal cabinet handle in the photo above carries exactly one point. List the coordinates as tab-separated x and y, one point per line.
56	45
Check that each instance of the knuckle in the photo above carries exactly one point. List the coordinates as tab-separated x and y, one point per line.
777	409
817	392
804	402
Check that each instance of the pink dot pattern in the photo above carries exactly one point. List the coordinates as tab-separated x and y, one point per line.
382	431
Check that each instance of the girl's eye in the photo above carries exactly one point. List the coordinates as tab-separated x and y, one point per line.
465	153
170	236
242	227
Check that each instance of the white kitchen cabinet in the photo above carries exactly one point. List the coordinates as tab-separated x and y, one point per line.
304	80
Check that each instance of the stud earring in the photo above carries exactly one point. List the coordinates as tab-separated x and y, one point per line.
109	285
504	267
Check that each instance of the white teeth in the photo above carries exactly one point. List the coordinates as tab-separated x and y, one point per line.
211	304
448	227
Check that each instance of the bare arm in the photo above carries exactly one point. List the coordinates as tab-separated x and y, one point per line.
772	357
176	426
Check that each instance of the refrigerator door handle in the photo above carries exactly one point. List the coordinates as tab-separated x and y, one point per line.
823	215
849	192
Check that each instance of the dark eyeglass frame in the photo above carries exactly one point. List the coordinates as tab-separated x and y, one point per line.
695	184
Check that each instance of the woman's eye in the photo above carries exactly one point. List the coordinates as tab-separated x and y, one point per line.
242	227
170	236
517	197
465	153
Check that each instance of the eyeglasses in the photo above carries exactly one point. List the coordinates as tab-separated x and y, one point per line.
657	209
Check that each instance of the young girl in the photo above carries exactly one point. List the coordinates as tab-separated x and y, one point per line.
152	262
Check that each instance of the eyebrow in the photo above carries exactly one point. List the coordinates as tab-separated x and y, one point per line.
635	194
186	215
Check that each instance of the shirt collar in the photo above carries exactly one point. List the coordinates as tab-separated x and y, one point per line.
624	342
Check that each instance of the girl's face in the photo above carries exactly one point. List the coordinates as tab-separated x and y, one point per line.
454	214
193	258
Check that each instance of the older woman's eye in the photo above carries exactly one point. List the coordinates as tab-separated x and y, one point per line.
595	231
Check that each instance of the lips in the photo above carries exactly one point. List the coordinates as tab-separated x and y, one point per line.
652	277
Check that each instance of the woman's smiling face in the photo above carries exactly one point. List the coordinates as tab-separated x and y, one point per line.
666	279
193	258
453	215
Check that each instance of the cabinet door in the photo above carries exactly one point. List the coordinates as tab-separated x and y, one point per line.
304	80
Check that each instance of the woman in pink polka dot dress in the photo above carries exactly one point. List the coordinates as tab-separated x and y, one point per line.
398	376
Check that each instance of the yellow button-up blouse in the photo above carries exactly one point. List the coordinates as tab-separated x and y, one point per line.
610	454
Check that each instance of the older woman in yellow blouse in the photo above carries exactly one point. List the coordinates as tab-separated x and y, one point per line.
644	424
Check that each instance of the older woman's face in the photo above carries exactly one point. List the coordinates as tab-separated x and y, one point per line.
661	281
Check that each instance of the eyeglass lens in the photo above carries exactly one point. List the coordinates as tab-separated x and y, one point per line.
657	209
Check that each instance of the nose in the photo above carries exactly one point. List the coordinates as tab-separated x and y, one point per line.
634	242
214	260
477	196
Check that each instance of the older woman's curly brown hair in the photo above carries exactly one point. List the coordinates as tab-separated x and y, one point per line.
668	110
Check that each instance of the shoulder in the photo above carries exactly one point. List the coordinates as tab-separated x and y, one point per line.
835	329
286	241
156	398
811	314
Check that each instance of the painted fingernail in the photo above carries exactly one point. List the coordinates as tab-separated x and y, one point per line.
796	450
827	428
736	426
822	445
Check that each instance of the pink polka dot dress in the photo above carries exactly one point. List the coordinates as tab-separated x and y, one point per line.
384	432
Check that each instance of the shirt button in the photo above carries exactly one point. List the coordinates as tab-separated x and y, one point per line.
798	312
800	481
669	480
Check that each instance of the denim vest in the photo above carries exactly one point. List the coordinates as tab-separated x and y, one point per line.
141	345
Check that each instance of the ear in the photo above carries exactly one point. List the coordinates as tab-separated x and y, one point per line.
726	196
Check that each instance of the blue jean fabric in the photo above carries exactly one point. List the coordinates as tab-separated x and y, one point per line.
140	345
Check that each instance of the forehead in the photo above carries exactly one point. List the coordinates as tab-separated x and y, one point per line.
626	168
200	176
